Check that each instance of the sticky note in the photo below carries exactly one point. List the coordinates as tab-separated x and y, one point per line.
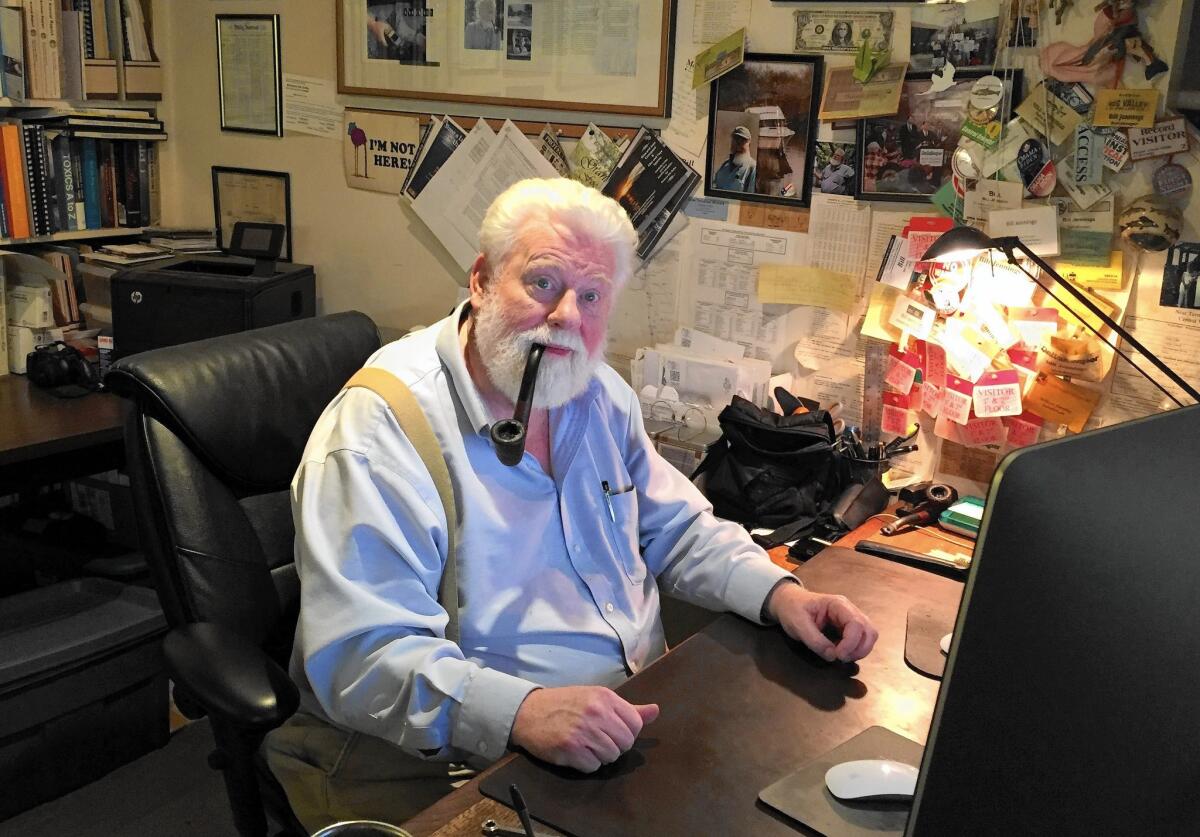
1126	107
792	284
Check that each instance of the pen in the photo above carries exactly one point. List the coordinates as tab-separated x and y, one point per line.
903	450
522	809
608	500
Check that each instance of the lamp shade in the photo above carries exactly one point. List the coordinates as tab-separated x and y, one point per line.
958	244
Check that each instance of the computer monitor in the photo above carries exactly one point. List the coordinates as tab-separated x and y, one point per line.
1069	704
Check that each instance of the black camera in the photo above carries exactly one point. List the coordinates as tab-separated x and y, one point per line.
61	369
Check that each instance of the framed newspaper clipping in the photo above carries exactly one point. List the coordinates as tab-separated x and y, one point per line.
612	56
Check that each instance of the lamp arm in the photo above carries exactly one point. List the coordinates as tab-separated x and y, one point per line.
1010	243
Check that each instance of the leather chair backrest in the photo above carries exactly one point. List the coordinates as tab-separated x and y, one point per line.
216	433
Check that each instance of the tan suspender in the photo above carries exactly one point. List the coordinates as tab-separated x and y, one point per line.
416	426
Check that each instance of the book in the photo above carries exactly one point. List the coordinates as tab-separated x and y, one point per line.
155	184
91	183
76	151
35	178
143	175
133	189
101	42
5	214
64	182
12	52
646	182
72	55
43	49
136	31
108	184
14	179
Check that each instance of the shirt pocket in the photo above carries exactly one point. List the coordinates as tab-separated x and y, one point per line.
621	517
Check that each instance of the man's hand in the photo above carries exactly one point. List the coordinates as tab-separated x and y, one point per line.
579	726
803	615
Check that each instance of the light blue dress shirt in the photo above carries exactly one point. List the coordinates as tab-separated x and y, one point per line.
554	592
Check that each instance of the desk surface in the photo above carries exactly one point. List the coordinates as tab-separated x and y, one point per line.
743	739
35	424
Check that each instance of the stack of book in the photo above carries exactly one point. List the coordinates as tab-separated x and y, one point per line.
182	241
80	171
126	254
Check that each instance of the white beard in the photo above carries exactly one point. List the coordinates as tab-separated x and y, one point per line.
504	354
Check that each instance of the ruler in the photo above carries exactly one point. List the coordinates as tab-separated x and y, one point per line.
874	371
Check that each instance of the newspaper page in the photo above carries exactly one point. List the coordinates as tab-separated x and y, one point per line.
450	181
646	311
723	299
512	157
599	34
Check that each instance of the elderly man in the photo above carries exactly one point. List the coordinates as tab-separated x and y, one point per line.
560	558
738	173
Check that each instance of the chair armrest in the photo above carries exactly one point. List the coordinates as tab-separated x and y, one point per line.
229	676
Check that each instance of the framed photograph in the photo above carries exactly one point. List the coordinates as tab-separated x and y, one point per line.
762	121
614	57
263	197
249	80
908	156
834	168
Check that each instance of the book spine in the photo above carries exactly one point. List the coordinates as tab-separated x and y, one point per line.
76	152
108	185
52	178
89	33
35	174
133	191
91	183
154	183
6	215
42	49
100	26
143	167
64	182
14	177
12	84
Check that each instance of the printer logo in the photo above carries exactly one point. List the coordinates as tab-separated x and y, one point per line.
135	297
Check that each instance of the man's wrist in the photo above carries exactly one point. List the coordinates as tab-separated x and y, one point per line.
765	615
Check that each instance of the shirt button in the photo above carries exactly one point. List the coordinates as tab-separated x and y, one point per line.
609	607
483	746
578	548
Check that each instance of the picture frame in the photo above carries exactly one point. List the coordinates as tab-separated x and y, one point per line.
770	102
254	195
911	160
249	74
518	54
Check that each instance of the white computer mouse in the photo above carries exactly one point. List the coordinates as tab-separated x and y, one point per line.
871	779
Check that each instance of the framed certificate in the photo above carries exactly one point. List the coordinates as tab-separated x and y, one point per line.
607	57
250	83
262	197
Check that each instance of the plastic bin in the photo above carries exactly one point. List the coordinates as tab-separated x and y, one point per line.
82	686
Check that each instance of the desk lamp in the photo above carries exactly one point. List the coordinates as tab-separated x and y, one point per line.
964	243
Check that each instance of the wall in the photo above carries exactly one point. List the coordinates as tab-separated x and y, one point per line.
370	252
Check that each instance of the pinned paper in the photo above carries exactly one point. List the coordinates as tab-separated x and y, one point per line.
998	393
1073	357
1036	226
879	309
969	352
1085	195
1034	325
1076	315
895	418
912	316
902	369
1023	429
1116	151
933	363
1062	119
1085	235
1107	278
1125	107
793	284
1167	137
987	196
957	399
1088	169
1061	402
896	268
923	230
931	399
982	432
720	58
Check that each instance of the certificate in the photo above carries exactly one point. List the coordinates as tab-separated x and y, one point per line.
248	74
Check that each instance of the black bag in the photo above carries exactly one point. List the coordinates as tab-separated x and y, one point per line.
769	470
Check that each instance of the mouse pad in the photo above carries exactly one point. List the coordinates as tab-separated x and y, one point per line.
802	795
927	624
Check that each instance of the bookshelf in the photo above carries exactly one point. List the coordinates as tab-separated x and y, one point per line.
75	235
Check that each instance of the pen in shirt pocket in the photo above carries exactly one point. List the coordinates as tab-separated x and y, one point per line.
608	495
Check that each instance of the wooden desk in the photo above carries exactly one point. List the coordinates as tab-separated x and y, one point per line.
883	691
45	439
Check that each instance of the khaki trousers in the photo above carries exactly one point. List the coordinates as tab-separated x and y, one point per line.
332	775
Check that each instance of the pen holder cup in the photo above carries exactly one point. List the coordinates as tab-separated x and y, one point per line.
361	828
863	470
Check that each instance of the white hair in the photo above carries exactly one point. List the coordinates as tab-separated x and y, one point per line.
558	201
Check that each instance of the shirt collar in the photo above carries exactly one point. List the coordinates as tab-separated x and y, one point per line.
450	351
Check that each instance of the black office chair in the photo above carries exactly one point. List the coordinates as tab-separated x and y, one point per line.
216	433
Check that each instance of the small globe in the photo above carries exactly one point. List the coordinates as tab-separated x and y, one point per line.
1150	224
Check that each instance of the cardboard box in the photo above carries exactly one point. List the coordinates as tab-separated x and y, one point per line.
29	307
